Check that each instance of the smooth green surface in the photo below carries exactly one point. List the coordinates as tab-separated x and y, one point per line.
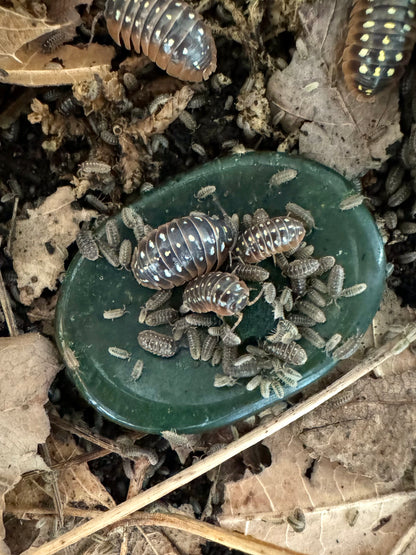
178	393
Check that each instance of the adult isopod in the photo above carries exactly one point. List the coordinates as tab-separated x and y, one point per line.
380	40
181	250
219	292
169	32
275	235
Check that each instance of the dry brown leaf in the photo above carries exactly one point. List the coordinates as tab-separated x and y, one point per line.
153	540
17	29
329	496
160	121
36	69
54	222
336	129
184	542
375	431
28	364
77	487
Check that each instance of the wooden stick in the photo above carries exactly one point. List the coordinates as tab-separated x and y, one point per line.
7	309
229	538
393	348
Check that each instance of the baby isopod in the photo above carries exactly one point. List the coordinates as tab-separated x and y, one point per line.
205	192
275	235
119	353
208	347
219	292
281	177
169	32
250	272
301	214
194	343
380	40
161	317
112	233
291	352
311	310
336	281
302	268
124	254
351	202
87	246
348	348
137	370
354	290
114	313
181	250
157	343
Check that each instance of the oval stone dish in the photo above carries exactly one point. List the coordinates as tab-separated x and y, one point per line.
178	393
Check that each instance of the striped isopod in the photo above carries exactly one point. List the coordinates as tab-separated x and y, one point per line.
275	235
380	40
219	292
181	250
169	32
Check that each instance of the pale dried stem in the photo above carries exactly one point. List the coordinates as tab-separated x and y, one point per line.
83	432
12	226
265	430
7	309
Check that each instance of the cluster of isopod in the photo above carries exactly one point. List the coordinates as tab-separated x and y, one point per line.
391	196
193	251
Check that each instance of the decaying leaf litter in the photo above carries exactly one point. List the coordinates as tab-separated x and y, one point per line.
80	131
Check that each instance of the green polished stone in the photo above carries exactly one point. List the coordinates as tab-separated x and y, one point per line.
178	393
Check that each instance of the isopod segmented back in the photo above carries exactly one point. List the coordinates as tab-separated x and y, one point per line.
275	235
181	250
219	292
169	32
380	40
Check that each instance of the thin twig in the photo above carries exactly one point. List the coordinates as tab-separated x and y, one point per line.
10	238
7	309
391	349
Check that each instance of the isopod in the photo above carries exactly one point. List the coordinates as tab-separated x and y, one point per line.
114	313
313	337
124	253
94	167
250	272
316	298
119	353
216	356
301	214
157	343
354	290
194	342
302	268
88	248
348	348
112	233
351	202
336	281
380	40
219	292
169	32
275	235
109	254
291	352
311	310
160	317
181	250
402	194
203	320
208	347
205	192
284	176
297	520
137	370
